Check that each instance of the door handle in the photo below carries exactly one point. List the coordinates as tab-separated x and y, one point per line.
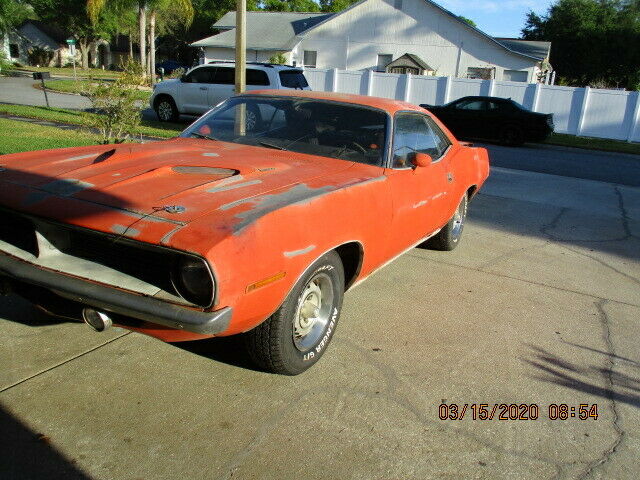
203	88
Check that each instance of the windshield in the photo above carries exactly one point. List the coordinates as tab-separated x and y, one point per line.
316	127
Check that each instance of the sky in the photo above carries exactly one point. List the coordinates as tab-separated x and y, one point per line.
499	18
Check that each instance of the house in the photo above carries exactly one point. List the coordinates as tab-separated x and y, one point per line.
371	34
38	43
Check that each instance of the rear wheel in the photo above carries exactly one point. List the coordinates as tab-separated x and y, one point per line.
166	110
512	135
448	238
296	336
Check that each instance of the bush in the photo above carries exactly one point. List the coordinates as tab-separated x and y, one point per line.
5	65
117	107
177	73
278	59
40	56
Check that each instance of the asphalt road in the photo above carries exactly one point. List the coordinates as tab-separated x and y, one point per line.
620	168
539	305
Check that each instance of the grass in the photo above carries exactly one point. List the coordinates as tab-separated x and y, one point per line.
20	136
603	144
74	117
71	86
68	71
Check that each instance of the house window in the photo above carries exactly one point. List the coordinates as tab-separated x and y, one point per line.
515	75
14	51
384	59
480	73
397	4
310	58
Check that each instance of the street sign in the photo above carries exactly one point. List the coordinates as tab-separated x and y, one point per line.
72	49
71	41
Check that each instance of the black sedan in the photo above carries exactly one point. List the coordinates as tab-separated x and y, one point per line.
493	118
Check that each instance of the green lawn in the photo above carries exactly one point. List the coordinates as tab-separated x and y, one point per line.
20	136
74	117
72	86
603	144
68	71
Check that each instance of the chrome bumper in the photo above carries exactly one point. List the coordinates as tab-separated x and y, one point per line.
116	301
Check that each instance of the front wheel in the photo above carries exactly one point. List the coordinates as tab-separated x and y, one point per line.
298	333
448	238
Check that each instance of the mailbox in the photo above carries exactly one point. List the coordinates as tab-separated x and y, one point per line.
41	75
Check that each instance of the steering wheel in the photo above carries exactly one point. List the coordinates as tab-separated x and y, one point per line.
358	146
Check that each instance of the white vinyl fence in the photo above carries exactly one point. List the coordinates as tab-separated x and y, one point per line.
586	111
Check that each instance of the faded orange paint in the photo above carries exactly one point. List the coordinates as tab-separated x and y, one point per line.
279	213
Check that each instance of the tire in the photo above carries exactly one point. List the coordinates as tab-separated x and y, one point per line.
448	238
288	342
512	135
166	110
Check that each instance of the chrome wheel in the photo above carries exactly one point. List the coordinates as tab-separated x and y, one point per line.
458	220
313	313
165	111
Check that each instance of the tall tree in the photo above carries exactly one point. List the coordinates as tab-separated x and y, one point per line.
592	40
12	13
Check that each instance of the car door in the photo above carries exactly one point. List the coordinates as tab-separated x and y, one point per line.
419	194
222	86
193	90
467	117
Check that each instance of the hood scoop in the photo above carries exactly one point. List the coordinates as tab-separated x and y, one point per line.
219	173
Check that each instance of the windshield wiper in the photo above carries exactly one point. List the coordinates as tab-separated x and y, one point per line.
202	135
271	145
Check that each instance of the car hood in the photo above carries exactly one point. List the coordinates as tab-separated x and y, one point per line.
174	181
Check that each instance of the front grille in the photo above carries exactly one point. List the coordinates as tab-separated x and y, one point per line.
130	265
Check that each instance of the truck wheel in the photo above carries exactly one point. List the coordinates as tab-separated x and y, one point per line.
166	110
295	337
448	238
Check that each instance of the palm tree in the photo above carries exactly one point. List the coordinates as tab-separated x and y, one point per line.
182	10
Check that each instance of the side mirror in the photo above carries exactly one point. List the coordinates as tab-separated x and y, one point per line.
183	78
421	160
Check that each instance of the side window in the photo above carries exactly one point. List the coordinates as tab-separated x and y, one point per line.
471	105
225	76
257	77
413	135
200	75
442	141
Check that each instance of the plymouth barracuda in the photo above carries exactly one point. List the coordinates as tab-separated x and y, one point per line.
244	224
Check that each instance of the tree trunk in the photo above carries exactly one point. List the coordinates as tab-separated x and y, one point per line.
84	53
142	25
130	47
152	47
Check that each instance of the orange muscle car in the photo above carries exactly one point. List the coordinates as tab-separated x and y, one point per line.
255	220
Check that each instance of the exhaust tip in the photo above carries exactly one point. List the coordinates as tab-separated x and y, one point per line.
99	321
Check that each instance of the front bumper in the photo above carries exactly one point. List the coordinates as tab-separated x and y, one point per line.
116	301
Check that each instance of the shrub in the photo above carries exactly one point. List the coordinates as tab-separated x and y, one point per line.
278	58
177	73
5	65
117	107
40	56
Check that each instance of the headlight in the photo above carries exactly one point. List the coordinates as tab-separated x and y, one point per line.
193	281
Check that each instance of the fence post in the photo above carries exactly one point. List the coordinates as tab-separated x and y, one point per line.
491	86
635	119
334	79
407	87
447	89
369	82
583	110
536	97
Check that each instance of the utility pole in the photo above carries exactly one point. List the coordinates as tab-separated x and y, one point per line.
241	44
241	57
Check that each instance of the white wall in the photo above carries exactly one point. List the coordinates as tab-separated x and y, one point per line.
353	40
579	111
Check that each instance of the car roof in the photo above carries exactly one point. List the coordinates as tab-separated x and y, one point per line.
387	104
220	63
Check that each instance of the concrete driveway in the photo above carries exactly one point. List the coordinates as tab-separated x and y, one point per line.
540	304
